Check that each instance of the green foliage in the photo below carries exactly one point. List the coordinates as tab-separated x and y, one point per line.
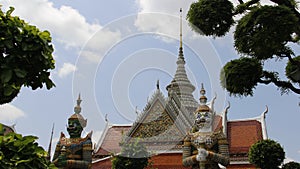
291	165
293	68
17	152
240	76
263	32
25	56
133	155
266	154
211	17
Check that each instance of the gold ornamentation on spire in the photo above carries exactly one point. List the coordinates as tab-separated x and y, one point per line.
77	115
203	98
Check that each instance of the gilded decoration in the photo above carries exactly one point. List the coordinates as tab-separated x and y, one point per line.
157	125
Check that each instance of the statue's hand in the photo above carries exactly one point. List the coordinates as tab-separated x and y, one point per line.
61	161
202	154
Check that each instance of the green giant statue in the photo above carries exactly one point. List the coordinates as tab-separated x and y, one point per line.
203	147
74	152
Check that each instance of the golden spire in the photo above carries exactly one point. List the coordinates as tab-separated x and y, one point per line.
203	98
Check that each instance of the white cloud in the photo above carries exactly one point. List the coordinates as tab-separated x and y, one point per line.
99	44
9	113
162	21
66	70
65	23
69	26
166	6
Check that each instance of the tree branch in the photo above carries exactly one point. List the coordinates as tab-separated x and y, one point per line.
241	1
288	4
242	7
293	61
271	77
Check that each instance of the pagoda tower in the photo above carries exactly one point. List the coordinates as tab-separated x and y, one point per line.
181	85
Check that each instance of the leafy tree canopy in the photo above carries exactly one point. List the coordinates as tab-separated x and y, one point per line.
262	32
18	152
133	155
291	165
266	154
25	56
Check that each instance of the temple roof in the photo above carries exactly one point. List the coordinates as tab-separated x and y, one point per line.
242	134
110	139
162	124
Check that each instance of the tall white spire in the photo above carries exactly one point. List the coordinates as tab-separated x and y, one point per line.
180	84
180	28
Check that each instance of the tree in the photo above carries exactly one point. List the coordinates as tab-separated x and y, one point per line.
25	56
262	33
133	155
25	60
266	154
291	165
18	152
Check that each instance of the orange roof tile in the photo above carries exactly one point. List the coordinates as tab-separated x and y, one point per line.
242	134
112	138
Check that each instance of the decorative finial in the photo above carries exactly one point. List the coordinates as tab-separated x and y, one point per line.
77	108
203	98
180	28
78	100
50	143
157	85
202	91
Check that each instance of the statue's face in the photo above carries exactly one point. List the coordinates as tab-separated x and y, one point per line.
74	128
203	120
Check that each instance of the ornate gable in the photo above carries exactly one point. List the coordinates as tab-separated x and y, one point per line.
156	123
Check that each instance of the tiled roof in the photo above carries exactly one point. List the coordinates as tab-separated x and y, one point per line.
217	124
111	139
242	134
104	163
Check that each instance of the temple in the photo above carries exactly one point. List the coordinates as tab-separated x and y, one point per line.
165	120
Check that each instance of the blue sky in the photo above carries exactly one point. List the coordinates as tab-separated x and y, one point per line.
113	52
